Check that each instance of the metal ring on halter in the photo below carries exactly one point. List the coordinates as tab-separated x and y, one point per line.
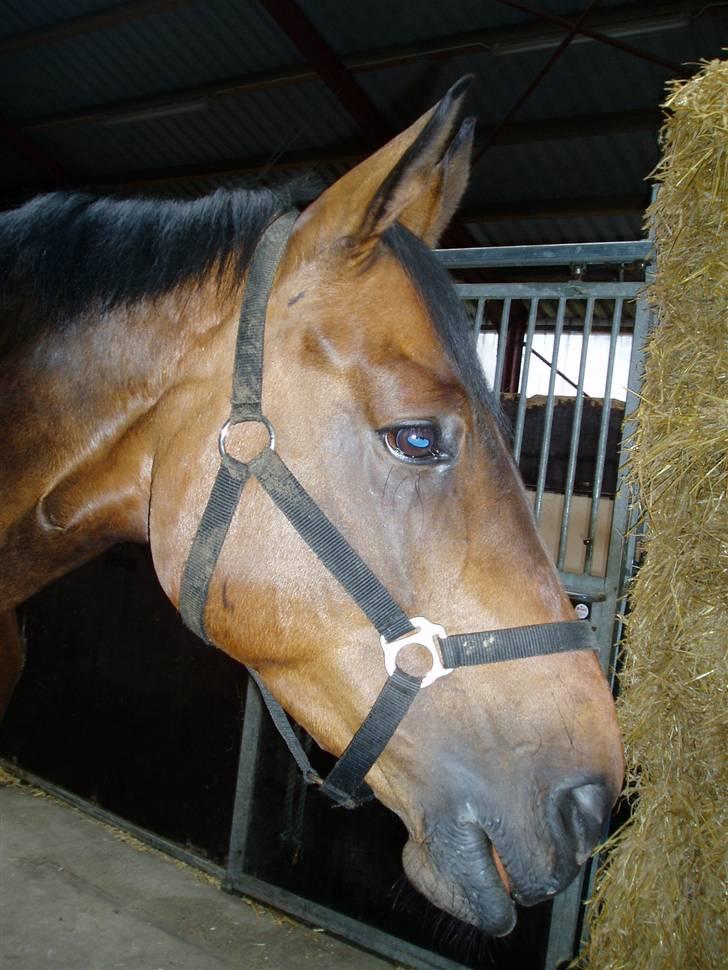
224	430
426	635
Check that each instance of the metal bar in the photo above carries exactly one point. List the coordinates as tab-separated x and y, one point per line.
575	433
364	935
547	129
625	519
245	784
502	39
523	389
514	348
562	254
678	69
116	821
603	432
119	13
581	584
624	527
533	83
624	512
301	32
548	291
27	149
502	338
176	98
549	413
562	928
530	209
251	165
478	325
559	373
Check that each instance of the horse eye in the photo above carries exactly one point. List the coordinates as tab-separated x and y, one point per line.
414	442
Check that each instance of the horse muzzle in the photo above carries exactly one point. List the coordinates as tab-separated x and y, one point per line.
478	867
456	870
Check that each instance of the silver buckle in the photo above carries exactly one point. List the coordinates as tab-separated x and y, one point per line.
426	635
224	430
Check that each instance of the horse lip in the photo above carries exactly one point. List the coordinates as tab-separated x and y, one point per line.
500	868
494	858
487	904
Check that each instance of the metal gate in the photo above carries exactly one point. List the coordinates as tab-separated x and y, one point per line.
583	510
597	583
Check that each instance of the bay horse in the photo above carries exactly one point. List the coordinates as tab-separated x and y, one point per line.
117	345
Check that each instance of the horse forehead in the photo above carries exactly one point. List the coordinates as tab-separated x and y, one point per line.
371	307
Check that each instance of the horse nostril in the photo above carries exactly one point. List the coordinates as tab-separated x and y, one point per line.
582	812
591	801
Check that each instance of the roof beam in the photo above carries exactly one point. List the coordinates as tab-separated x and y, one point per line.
119	13
572	126
496	41
347	154
581	207
329	68
52	170
251	165
373	123
533	84
604	38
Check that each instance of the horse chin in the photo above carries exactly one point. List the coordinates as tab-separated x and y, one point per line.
464	882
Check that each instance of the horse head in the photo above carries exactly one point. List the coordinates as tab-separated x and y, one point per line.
503	774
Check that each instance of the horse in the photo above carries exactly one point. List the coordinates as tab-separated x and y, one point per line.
120	328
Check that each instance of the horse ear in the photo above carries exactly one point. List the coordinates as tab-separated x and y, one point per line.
428	216
416	179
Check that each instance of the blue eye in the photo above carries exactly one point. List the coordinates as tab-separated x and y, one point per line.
418	443
417	440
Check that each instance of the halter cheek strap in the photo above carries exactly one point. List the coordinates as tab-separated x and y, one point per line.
345	783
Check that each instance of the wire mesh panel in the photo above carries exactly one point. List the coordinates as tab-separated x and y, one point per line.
563	381
566	359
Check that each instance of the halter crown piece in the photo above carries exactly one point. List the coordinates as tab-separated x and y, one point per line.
345	783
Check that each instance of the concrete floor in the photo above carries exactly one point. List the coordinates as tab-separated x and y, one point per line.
73	896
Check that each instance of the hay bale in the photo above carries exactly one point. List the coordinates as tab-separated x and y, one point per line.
660	902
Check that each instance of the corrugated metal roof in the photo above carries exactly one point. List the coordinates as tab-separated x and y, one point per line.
265	124
19	15
198	42
153	54
524	232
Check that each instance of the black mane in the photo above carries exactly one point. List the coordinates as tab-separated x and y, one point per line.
69	252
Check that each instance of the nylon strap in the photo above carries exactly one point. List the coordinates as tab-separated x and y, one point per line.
516	643
248	367
329	545
345	782
283	725
211	532
347	776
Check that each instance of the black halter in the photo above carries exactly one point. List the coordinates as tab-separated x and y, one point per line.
345	783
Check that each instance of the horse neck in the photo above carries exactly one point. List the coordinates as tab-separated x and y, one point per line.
82	413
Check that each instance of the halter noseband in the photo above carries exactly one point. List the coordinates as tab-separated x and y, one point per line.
345	783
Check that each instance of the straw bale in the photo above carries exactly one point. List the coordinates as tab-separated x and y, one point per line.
660	900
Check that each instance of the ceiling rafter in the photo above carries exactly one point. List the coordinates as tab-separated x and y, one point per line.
373	123
119	13
44	163
486	41
678	69
579	207
534	83
325	62
344	155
